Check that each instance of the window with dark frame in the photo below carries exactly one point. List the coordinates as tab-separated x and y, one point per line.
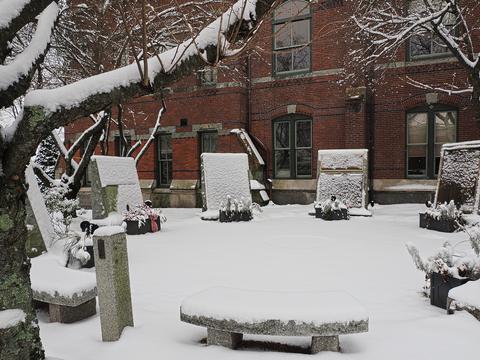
119	146
164	160
291	37
292	145
427	44
208	142
427	130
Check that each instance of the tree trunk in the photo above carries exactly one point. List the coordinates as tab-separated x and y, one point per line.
23	340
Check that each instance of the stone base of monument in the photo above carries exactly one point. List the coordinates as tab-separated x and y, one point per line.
341	214
443	225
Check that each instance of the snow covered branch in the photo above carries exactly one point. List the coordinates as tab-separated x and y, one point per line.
446	25
15	77
46	110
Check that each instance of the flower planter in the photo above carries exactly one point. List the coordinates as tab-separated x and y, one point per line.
138	228
443	225
91	262
440	286
341	214
234	216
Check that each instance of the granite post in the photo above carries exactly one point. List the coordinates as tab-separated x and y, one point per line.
113	281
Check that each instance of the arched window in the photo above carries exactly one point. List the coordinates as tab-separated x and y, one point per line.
292	147
427	130
291	39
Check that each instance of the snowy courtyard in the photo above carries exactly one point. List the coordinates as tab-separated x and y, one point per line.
282	249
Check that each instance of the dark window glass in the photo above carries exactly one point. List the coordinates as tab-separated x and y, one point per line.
291	41
426	43
208	142
120	149
292	148
427	131
164	156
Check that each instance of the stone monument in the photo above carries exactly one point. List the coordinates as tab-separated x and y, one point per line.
343	173
115	185
459	174
113	281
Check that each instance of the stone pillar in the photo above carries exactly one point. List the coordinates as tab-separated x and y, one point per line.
113	281
325	343
224	338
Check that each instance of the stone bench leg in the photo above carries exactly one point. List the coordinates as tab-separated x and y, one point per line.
227	339
69	314
325	343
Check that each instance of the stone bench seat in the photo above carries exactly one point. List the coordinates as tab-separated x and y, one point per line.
229	313
70	294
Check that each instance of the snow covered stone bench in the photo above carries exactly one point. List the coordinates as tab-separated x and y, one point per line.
70	294
229	313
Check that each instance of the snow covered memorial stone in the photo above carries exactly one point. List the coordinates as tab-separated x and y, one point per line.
343	173
229	313
114	185
40	218
113	281
225	181
458	178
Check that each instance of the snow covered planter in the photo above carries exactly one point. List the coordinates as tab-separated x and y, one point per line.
332	209
142	219
448	268
445	218
234	210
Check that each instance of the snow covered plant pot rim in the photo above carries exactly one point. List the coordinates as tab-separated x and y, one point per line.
332	209
440	285
445	217
234	216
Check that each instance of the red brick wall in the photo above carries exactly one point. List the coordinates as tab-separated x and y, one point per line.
322	97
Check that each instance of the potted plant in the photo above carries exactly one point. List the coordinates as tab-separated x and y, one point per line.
445	217
141	219
332	209
448	268
233	210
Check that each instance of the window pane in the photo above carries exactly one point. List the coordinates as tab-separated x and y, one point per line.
291	8
304	162
283	35
283	61
417	128
282	135
420	45
438	46
209	142
301	58
300	32
282	163
165	150
303	134
445	127
417	160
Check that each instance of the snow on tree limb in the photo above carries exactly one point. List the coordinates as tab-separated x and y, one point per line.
46	110
15	77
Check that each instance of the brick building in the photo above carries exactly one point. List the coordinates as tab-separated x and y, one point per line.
290	96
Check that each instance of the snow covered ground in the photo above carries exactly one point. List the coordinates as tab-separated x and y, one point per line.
282	249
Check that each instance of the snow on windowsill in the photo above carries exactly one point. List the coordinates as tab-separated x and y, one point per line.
411	187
